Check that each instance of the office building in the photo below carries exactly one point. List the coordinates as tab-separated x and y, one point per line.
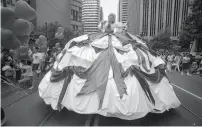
76	15
66	12
90	15
150	17
122	11
101	14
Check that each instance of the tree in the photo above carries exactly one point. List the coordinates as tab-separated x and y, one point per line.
52	29
192	26
162	41
184	40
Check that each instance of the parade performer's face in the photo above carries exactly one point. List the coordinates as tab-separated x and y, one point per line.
111	18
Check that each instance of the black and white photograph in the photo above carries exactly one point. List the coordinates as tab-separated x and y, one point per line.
101	62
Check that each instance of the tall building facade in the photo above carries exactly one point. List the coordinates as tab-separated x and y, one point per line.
76	15
8	3
67	12
150	17
53	10
101	14
122	11
90	15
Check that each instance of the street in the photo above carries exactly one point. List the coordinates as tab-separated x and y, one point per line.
30	110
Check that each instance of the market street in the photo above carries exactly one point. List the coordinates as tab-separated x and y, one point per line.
23	110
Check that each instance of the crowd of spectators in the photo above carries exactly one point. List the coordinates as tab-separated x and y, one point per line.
183	62
27	71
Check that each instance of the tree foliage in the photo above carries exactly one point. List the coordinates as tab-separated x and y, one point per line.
51	29
184	40
192	26
162	40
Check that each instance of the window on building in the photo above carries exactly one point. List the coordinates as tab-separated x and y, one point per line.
72	12
75	15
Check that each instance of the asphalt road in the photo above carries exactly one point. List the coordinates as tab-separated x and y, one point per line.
23	110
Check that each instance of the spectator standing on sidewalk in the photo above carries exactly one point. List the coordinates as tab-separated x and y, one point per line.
42	59
35	65
17	65
169	62
28	72
177	61
185	64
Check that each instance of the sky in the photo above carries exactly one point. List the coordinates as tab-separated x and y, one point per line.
109	6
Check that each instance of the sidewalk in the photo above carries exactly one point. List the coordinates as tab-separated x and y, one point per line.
29	111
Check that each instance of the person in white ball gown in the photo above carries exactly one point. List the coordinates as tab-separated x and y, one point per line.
112	73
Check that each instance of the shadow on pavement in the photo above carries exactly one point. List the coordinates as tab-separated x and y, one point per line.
29	111
66	118
10	96
174	117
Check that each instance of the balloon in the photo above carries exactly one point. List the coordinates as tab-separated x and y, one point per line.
23	53
22	27
60	30
43	48
24	11
11	50
13	53
9	40
7	18
24	39
59	36
37	42
31	27
42	40
45	43
16	28
57	45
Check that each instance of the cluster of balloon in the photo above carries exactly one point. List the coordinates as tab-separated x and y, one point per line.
15	25
60	33
41	43
13	53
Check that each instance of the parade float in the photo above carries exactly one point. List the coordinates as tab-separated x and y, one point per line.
112	73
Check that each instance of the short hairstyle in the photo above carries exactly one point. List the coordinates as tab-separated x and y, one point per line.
29	62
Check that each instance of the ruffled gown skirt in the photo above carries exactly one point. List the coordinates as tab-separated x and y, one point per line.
134	105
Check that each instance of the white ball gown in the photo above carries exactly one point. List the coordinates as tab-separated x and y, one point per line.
111	73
